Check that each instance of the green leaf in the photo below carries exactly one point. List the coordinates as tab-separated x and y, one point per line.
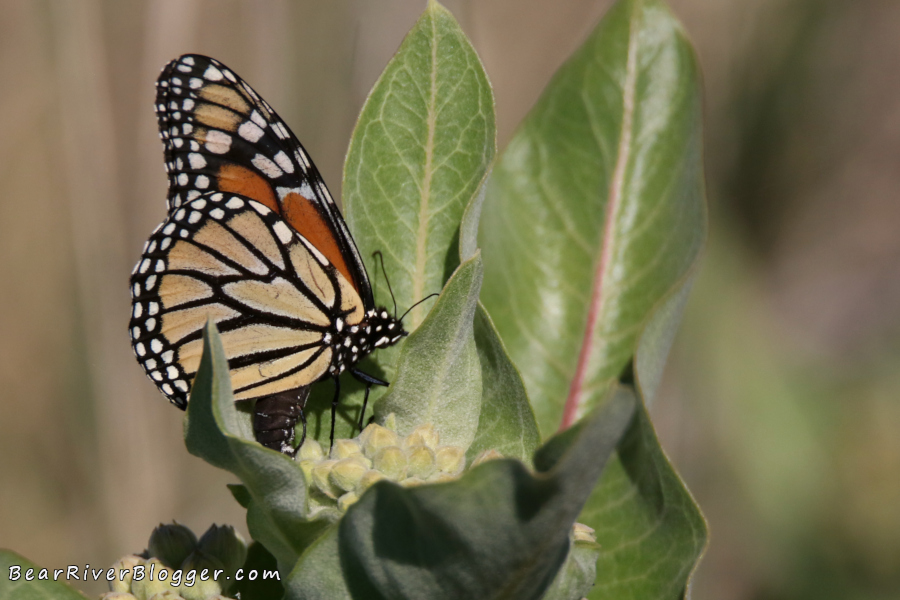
498	532
261	588
506	423
318	575
420	149
215	431
651	532
422	145
438	377
576	577
596	211
37	589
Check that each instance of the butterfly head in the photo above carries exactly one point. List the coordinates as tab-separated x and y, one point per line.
351	343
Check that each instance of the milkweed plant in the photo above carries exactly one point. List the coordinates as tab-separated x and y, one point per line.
513	455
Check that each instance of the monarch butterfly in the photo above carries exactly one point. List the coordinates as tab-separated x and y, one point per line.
254	242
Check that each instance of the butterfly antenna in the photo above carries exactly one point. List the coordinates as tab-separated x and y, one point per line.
418	303
388	281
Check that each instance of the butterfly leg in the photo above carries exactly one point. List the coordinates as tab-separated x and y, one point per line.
302	437
368	381
334	403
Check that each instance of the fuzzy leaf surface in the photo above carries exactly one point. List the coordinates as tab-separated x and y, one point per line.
499	532
595	211
576	577
506	423
438	377
274	482
422	145
651	532
35	589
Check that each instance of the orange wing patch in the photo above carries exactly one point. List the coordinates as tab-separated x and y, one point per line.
302	215
241	180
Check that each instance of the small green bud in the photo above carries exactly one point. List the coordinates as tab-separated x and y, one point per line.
201	590
450	459
171	544
375	437
117	596
423	435
145	588
583	533
392	462
310	450
346	473
421	462
321	478
367	480
345	449
346	500
166	595
227	545
486	456
125	563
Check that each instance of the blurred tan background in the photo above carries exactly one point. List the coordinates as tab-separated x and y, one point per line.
780	406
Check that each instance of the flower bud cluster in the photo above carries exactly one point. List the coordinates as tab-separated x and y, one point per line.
353	465
178	566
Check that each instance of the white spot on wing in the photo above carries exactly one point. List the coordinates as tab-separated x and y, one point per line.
218	142
265	165
197	161
282	231
258	119
213	74
250	131
284	162
306	191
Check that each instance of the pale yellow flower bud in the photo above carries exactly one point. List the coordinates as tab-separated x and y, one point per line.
412	482
375	437
345	449
392	462
346	500
125	563
423	435
144	588
440	477
421	462
322	480
583	533
367	480
450	459
346	473
310	450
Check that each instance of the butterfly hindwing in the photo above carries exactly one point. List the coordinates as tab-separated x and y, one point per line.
219	135
275	299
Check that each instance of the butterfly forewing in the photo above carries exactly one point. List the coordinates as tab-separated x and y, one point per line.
274	298
254	242
219	135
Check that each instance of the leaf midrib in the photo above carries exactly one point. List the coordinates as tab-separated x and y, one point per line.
574	401
425	197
